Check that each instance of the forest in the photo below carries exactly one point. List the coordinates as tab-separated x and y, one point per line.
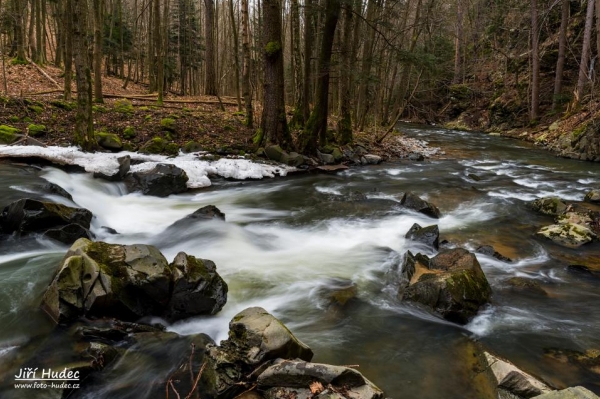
300	70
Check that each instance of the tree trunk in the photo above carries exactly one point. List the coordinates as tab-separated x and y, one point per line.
345	122
562	46
84	132
247	92
316	127
367	62
458	43
210	83
236	57
68	47
535	62
97	56
274	126
308	42
585	54
18	16
298	117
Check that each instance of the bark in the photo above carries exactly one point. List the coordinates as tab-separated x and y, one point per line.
210	83
535	62
18	16
247	93
236	57
458	43
308	42
298	118
367	63
97	55
345	121
562	46
316	127
274	126
84	132
68	48
585	54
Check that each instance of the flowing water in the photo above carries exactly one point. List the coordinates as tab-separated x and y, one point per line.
287	240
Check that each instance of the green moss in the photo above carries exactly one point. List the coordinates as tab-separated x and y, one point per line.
273	48
36	108
192	146
27	119
99	108
258	137
148	118
580	130
172	149
107	140
36	130
19	61
129	132
14	118
8	134
66	105
168	124
144	108
154	146
123	106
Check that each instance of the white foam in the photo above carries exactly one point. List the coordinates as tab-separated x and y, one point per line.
197	169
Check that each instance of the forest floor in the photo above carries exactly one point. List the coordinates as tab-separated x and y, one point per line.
212	124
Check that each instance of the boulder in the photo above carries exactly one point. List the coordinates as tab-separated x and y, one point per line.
569	393
295	159
452	284
581	218
62	222
523	284
553	206
326	159
567	235
490	251
124	166
197	288
592	196
372	159
109	141
131	281
429	235
511	381
160	181
54	189
517	384
414	202
275	152
293	375
205	213
337	293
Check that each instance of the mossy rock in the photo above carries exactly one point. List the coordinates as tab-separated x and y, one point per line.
129	132
553	206
123	106
192	146
66	105
592	196
172	149
8	134
99	108
27	120
14	118
110	141
154	146
168	124
36	130
36	109
568	235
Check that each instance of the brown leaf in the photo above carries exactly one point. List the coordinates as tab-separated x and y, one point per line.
316	387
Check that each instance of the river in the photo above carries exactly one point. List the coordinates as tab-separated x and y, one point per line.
285	240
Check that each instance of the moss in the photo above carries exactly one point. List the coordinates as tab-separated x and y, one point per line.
144	108
154	146
14	118
36	109
168	124
129	132
27	119
108	140
36	130
8	134
258	137
99	108
66	105
148	118
18	61
273	48
579	131
172	149
228	128
192	146
123	106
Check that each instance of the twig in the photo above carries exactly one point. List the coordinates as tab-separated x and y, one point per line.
44	73
246	391
197	380
174	390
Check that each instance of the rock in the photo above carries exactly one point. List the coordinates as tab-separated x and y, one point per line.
299	374
372	159
109	141
205	213
274	152
513	380
338	156
588	360
154	146
161	181
412	201
69	234
553	206
337	292
295	159
54	189
517	384
526	285
27	216
326	159
124	165
569	393
490	251
416	157
197	288
453	285
568	235
592	196
109	230
429	235
131	281
331	168
581	218
191	146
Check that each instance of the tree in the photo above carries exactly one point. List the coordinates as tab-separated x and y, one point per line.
562	46
345	121
274	128
535	62
585	54
308	42
316	127
210	82
246	90
98	27
84	130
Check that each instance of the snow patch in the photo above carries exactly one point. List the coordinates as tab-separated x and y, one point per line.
198	170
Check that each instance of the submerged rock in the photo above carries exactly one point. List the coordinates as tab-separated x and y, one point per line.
57	221
553	206
526	285
414	202
131	281
568	235
452	284
160	181
429	235
490	251
569	393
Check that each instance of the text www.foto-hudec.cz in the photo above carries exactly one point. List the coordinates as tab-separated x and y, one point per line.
36	378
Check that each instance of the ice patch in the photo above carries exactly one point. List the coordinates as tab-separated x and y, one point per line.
198	170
